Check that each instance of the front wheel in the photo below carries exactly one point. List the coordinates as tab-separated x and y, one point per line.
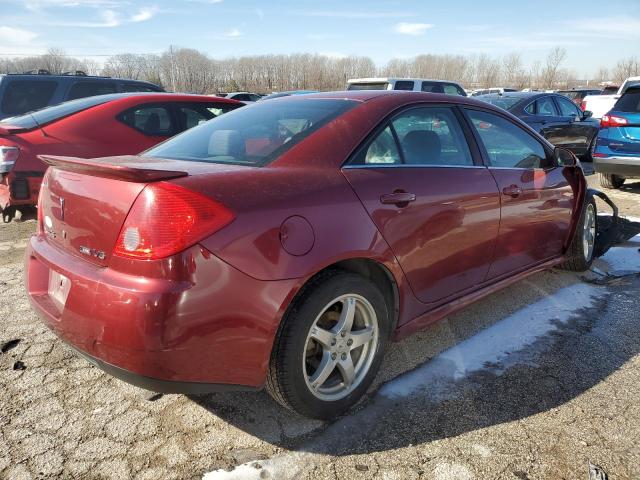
329	346
579	256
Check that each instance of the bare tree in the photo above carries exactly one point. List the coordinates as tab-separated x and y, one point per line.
552	70
628	67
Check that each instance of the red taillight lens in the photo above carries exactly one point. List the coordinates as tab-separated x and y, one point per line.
613	121
165	219
8	157
583	106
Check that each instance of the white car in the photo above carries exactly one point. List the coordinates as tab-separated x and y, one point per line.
411	84
600	105
486	91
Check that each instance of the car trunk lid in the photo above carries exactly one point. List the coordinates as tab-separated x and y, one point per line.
84	203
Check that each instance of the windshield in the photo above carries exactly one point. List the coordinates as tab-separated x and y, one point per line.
253	135
502	102
368	86
49	114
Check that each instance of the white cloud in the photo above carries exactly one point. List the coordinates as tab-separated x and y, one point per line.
233	33
611	27
16	36
412	28
145	13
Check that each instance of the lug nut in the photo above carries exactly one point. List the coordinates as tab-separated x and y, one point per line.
333	356
344	356
333	342
349	342
343	333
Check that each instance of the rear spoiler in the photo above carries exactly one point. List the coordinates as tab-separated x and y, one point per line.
6	129
130	168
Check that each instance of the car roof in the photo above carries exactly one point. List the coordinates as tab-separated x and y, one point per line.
520	95
396	79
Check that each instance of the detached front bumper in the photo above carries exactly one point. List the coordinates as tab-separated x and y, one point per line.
185	324
621	166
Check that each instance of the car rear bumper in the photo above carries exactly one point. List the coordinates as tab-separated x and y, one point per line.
198	326
622	166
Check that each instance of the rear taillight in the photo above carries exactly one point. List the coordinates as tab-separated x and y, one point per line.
43	185
8	157
166	219
613	121
583	106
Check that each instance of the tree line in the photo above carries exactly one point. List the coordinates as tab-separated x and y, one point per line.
188	70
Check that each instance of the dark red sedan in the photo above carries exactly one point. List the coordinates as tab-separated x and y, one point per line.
285	243
115	124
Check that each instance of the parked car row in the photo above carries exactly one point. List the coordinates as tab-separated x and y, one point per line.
284	244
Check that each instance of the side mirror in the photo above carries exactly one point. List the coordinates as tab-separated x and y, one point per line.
587	114
564	157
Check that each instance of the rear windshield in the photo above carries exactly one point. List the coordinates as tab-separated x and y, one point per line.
49	114
368	86
629	102
502	102
254	135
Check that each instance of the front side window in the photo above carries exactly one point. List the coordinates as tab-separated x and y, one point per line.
22	96
403	85
432	87
506	144
151	120
254	135
192	115
567	108
431	136
453	90
89	89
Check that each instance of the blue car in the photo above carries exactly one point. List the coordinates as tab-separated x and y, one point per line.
617	150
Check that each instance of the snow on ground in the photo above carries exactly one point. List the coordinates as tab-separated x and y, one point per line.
511	341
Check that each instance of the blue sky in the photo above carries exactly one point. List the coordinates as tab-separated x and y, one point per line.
594	33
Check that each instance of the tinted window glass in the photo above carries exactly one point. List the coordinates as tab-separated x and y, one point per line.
152	120
431	87
567	107
369	86
56	112
544	107
253	135
504	102
431	136
383	150
452	90
22	96
629	101
89	89
194	114
137	87
507	145
242	97
403	85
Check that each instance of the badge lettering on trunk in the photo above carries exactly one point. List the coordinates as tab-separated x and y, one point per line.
92	252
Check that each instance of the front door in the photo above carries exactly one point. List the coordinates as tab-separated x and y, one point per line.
536	197
437	209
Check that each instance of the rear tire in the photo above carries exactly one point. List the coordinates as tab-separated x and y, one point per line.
579	256
610	181
322	363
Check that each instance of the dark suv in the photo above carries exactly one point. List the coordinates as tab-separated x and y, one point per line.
21	93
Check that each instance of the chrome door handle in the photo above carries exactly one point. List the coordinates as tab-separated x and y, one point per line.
399	198
512	191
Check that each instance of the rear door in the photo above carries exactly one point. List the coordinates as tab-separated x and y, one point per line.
536	197
435	205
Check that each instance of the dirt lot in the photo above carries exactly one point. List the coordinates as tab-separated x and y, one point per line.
531	383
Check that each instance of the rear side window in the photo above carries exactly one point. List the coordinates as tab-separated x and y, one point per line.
506	144
382	151
151	120
253	135
432	87
453	90
89	89
368	86
543	106
403	85
629	101
431	136
192	115
22	96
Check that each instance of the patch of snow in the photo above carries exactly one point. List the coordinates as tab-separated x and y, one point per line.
493	347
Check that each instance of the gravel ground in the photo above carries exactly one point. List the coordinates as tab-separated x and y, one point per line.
529	407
